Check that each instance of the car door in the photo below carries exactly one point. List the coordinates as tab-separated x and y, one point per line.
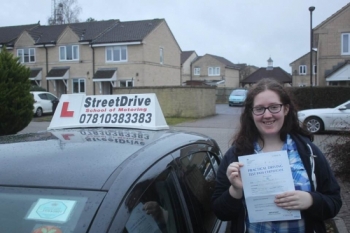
154	204
45	102
341	117
197	174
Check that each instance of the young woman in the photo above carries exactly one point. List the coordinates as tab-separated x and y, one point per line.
269	122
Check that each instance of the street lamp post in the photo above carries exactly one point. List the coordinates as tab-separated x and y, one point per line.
311	9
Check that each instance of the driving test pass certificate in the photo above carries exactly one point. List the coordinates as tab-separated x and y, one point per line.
264	175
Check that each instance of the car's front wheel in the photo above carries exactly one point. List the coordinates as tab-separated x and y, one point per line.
313	124
39	112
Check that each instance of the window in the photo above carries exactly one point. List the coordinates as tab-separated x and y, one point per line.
116	53
21	209
345	44
126	83
197	71
78	85
158	209
69	53
213	71
314	70
26	55
161	55
302	70
199	171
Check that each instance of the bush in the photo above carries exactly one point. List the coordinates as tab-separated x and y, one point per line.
338	153
37	88
15	99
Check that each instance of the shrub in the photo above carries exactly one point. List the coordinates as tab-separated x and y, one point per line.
15	99
338	153
37	88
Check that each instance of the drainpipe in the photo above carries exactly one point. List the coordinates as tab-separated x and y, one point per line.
47	68
93	69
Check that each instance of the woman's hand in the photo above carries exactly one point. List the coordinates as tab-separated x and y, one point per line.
294	200
234	176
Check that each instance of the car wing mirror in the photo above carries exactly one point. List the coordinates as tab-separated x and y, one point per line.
342	108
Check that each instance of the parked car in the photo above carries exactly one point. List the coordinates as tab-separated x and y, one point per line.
108	163
237	97
44	102
326	119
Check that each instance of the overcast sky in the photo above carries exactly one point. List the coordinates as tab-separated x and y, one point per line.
242	31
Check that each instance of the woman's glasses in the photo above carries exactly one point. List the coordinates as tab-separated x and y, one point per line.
260	110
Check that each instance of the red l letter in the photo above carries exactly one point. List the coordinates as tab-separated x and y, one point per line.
65	112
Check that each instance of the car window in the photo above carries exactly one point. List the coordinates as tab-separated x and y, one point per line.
43	96
199	173
38	210
238	92
158	209
51	97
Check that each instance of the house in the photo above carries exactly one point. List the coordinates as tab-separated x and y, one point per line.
331	39
187	57
97	57
276	73
301	70
215	70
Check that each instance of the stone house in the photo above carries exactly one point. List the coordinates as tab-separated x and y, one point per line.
331	40
216	71
96	57
270	71
187	57
301	70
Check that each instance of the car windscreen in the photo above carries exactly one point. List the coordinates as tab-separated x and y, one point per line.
238	93
47	210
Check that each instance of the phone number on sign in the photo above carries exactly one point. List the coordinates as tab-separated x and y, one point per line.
116	118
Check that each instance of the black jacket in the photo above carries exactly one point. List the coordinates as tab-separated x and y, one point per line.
326	194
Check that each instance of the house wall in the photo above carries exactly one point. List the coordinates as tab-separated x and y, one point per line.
26	41
142	66
303	79
186	68
231	76
176	101
329	44
168	73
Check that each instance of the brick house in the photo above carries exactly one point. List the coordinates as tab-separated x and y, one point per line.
96	57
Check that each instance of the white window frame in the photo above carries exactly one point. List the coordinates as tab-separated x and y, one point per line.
197	71
74	52
213	71
345	44
78	80
116	54
128	83
161	56
302	70
30	52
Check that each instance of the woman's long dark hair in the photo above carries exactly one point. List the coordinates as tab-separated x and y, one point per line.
248	132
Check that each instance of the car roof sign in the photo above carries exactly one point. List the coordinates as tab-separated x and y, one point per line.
140	111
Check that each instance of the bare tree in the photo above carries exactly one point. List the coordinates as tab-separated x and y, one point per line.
66	11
